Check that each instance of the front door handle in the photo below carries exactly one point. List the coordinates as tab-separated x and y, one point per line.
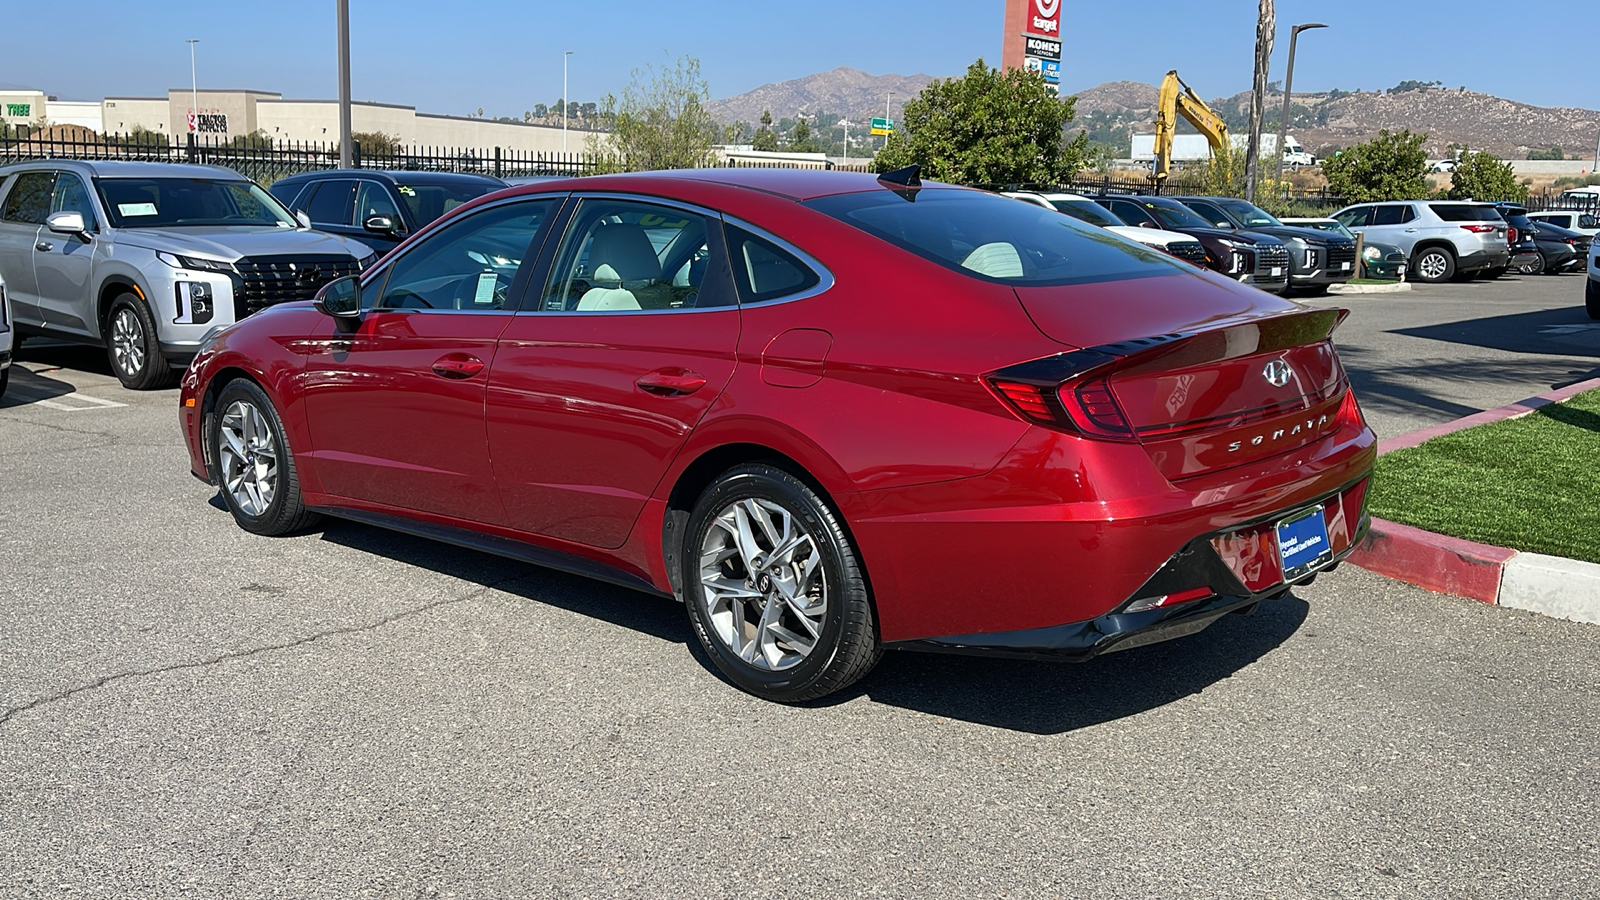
671	384
457	366
44	246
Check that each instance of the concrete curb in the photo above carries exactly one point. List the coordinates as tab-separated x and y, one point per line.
1550	585
1346	289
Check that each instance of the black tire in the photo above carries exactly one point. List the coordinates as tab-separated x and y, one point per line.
1434	265
1532	268
1591	298
846	645
284	512
133	347
5	379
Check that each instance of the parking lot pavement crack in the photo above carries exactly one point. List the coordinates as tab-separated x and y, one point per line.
8	714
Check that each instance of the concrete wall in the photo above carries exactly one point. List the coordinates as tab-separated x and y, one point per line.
88	114
120	115
1553	166
223	114
22	107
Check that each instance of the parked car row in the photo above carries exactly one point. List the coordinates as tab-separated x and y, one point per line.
1445	239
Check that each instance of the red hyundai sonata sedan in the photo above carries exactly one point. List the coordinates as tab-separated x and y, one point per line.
829	413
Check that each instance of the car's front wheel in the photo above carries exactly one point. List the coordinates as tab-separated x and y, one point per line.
1434	265
132	346
774	588
253	464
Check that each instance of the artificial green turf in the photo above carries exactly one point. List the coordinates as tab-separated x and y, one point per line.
1531	483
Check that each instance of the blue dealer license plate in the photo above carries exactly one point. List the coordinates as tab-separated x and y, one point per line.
1303	543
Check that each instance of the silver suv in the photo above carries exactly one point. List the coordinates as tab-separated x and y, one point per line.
146	258
1441	238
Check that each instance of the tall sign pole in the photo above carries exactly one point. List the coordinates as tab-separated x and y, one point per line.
566	102
1266	27
194	91
346	156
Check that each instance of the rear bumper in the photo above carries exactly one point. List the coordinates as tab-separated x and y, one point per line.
1484	259
1197	564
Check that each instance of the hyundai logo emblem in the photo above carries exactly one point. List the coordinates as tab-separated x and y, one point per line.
1277	373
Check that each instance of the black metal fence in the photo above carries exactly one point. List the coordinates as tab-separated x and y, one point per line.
266	161
1549	200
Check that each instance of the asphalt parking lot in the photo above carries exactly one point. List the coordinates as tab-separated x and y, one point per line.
187	710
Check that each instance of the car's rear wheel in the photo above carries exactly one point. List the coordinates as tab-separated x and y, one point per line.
1591	298
1434	265
1533	266
132	346
253	464
774	589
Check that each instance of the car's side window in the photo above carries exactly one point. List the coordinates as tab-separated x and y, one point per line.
29	200
329	203
71	196
1389	214
372	199
286	193
628	255
1588	222
1354	218
1133	214
1211	213
469	265
764	271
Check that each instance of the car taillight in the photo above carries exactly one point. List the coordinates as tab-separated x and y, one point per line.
1478	229
1095	411
1511	235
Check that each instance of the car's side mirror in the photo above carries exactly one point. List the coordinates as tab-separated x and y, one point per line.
341	299
381	225
301	217
67	222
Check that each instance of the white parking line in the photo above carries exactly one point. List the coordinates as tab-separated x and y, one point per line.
73	402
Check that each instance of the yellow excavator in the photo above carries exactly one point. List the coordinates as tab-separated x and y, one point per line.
1172	103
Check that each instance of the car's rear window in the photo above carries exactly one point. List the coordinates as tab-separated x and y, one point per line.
995	238
1463	212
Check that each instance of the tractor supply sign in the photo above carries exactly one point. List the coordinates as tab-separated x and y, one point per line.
208	122
1046	18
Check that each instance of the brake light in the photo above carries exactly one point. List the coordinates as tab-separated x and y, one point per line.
1028	400
1511	235
1095	411
1478	229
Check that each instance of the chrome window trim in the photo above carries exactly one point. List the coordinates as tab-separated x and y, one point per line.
825	279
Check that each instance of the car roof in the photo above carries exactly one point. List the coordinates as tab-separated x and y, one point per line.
394	176
796	184
117	168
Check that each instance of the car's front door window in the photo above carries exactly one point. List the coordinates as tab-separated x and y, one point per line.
71	196
470	265
372	199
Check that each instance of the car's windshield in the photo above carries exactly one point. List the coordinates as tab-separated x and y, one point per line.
427	202
166	202
1175	216
1087	210
994	237
1250	214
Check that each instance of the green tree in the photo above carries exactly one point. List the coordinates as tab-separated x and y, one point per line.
800	139
661	121
376	143
986	127
1552	153
256	140
765	139
1391	166
1484	176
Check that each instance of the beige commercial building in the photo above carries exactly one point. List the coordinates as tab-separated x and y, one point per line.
221	115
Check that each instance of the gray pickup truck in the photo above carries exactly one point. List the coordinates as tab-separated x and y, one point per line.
146	258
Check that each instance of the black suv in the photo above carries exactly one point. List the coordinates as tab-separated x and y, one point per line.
1545	248
1317	259
1248	256
376	207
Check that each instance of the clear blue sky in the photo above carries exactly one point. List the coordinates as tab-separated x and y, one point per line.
505	56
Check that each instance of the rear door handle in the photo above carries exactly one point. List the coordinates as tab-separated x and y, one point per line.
457	366
44	246
670	384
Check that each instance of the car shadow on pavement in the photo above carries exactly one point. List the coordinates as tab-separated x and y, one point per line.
1021	695
1401	387
28	387
62	355
1564	331
1053	698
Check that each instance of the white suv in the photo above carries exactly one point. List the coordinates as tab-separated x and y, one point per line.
1442	238
1570	219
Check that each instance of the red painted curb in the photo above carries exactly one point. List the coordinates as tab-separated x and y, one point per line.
1521	407
1433	561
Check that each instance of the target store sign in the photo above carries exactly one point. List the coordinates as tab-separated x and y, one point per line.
1046	17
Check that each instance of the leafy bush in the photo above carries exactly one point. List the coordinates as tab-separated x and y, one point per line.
1391	166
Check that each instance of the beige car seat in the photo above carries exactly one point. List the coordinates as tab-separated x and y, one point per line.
620	254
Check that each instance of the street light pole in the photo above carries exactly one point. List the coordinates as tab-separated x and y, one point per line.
565	100
194	87
346	147
1288	88
885	118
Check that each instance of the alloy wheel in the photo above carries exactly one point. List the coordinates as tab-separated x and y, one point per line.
248	457
762	584
127	341
1432	266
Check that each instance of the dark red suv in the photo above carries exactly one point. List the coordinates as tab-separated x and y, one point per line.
829	413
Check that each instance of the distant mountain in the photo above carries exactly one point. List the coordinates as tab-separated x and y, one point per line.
850	92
